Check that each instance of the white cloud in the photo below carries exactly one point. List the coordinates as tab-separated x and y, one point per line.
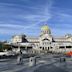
33	19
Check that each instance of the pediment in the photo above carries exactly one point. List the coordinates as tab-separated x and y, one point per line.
45	39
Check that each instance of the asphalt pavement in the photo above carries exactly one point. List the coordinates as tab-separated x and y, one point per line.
46	63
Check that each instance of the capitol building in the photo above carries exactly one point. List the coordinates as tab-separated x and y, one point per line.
45	42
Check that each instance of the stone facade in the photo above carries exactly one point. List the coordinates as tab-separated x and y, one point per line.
45	42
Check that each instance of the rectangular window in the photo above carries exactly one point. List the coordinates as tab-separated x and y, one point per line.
61	47
68	46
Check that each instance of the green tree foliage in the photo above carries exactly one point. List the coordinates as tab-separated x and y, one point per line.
4	47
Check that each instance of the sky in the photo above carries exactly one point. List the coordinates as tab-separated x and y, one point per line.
28	16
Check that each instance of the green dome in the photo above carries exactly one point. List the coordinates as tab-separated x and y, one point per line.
45	28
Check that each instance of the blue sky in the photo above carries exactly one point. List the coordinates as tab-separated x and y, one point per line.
27	16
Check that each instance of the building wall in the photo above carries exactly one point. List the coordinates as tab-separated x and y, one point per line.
45	41
16	39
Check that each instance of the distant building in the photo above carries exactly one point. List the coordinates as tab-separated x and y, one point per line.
45	42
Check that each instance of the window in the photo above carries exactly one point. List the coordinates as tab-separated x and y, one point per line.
48	48
43	48
51	47
61	47
68	46
40	47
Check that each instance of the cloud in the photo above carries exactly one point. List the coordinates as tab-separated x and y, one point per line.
27	16
20	18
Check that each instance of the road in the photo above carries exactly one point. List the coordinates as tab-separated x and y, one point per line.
46	63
